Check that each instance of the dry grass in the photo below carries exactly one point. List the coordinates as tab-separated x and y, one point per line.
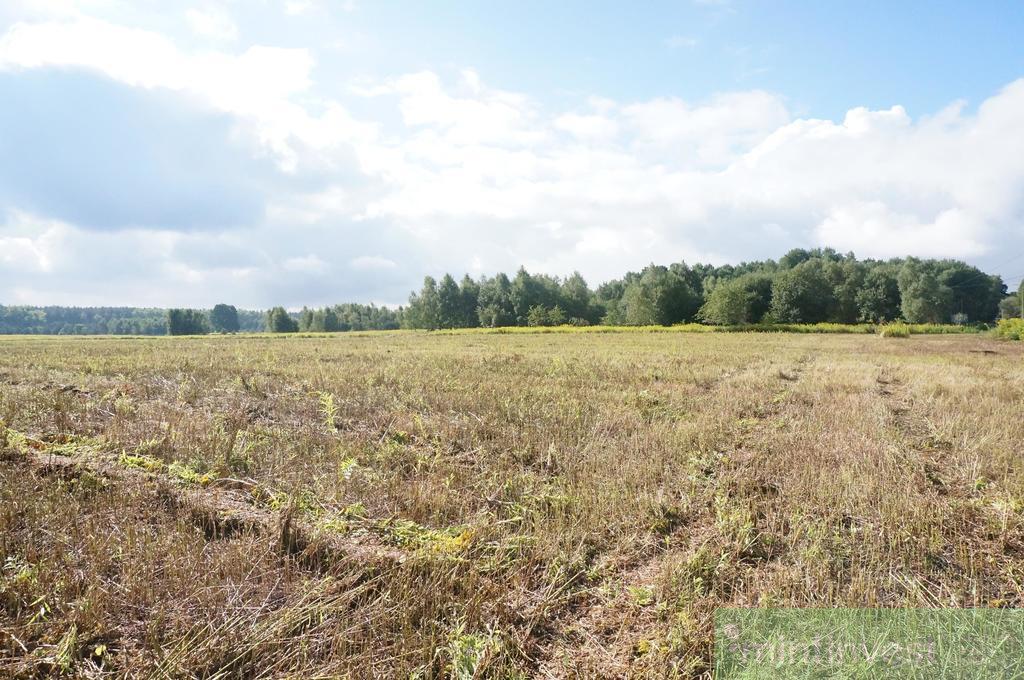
483	505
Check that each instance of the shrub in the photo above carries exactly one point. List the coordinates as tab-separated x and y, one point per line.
1011	329
895	330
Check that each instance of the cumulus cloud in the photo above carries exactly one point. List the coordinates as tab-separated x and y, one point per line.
212	22
372	262
257	85
231	174
101	155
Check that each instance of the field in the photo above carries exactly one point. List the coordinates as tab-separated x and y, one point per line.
488	505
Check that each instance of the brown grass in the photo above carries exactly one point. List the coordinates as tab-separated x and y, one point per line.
473	505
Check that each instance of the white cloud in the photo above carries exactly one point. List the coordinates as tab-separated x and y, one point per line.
478	115
34	245
710	133
873	229
212	22
257	85
679	42
297	7
305	264
372	262
587	127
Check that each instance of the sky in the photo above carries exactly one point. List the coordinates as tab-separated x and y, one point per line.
309	152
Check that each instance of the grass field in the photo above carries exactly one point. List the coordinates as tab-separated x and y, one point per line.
487	505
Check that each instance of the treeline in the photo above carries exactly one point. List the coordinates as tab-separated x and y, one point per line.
82	320
345	317
223	318
803	286
338	318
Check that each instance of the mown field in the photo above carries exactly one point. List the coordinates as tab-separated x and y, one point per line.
488	505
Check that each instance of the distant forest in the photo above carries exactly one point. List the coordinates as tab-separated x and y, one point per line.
803	286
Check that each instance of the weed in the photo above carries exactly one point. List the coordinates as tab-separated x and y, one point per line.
141	462
329	410
894	330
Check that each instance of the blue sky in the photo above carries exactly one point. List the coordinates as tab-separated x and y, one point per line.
826	57
312	151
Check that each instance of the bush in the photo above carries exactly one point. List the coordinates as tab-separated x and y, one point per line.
1011	329
895	330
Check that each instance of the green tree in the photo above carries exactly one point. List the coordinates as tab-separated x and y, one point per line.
923	297
738	301
306	320
186	322
802	294
577	300
494	304
469	300
793	258
727	304
449	303
658	296
331	323
526	292
537	316
637	307
845	277
424	307
972	292
224	319
279	321
878	299
1009	308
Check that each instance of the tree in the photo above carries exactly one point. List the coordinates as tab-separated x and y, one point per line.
306	320
878	299
186	322
727	304
469	299
659	296
556	317
739	301
525	293
278	321
793	258
637	307
923	297
424	309
537	316
576	299
494	303
845	277
449	303
972	292
802	294
224	319
331	323
1009	308
545	316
